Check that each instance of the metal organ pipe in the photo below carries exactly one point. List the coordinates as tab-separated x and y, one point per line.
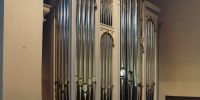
123	71
85	49
130	79
62	49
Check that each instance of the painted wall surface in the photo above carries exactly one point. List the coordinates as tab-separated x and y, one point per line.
1	48
180	48
22	57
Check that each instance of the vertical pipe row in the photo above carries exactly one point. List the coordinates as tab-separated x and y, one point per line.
85	49
106	66
106	8
150	59
62	50
130	79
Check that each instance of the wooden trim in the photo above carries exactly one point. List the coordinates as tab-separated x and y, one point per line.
181	98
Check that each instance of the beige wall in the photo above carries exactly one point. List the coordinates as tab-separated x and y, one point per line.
180	48
22	49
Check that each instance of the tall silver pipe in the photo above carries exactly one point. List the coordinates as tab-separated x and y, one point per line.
106	12
102	68
123	71
84	42
148	62
58	59
101	8
103	11
130	52
153	60
62	48
152	64
78	47
89	64
111	10
68	51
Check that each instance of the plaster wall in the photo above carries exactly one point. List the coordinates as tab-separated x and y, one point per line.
179	48
22	49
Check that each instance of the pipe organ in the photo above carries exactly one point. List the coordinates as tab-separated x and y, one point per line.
104	49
